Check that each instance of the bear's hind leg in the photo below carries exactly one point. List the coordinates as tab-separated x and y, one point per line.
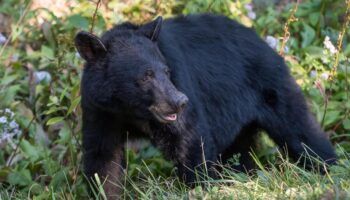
290	124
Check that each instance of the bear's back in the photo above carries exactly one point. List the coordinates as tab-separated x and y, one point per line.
222	66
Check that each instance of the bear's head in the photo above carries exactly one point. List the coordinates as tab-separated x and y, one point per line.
125	73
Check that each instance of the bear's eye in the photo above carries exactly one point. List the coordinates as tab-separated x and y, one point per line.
149	74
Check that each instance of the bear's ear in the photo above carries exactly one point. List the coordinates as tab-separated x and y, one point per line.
89	46
152	29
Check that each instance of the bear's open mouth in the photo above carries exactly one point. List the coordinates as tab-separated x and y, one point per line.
171	117
165	118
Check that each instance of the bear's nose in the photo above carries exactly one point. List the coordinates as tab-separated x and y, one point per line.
181	102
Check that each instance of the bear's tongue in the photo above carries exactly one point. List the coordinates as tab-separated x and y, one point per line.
171	117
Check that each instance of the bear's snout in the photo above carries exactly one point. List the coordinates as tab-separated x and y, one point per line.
180	102
168	111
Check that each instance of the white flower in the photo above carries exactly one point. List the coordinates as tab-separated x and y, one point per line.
6	136
13	124
328	45
313	73
252	15
248	6
8	111
77	55
2	39
271	41
325	75
3	120
42	76
286	49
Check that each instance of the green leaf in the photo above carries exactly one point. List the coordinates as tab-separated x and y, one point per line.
308	35
40	136
30	150
8	79
54	120
8	96
22	177
314	17
64	134
63	94
78	21
346	124
331	117
74	104
59	179
314	51
47	52
53	101
16	32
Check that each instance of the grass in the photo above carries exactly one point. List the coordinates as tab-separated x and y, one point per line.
279	180
274	178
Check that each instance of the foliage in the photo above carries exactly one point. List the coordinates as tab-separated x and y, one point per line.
40	71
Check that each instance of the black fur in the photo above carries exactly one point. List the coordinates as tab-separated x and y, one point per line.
234	82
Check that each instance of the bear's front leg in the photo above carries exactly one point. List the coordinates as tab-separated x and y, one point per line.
103	152
195	162
194	157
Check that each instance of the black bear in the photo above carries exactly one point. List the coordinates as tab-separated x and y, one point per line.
199	87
